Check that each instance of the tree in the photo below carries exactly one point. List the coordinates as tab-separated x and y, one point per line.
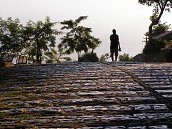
40	36
159	7
52	56
78	38
156	44
11	36
159	29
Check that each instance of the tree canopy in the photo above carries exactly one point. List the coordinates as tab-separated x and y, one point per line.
33	39
159	7
37	39
78	38
11	36
41	36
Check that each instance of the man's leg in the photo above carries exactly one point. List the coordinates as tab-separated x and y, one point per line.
112	57
116	54
112	54
116	57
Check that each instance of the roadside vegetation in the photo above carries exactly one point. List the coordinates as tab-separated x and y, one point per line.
37	40
157	37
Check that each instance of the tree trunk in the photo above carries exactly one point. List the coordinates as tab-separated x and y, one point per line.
37	52
156	21
150	32
17	58
79	56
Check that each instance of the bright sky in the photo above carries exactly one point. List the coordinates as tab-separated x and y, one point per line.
128	17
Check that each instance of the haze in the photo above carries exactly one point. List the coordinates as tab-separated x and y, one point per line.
128	17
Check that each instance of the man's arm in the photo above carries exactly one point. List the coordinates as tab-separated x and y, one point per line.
119	47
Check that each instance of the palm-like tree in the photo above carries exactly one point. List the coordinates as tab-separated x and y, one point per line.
78	38
52	56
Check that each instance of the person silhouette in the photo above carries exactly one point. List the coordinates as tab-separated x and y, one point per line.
114	45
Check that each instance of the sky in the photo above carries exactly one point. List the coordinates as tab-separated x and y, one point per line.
128	17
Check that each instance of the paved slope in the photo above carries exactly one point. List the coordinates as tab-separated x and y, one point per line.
87	95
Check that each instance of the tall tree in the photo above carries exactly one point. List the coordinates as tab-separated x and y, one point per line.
159	7
41	36
78	38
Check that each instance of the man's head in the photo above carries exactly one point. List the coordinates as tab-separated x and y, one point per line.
114	31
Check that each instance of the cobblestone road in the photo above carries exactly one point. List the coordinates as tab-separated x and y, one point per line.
87	96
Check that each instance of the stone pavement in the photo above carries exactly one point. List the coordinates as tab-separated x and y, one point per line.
87	96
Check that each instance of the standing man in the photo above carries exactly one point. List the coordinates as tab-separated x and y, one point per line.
114	45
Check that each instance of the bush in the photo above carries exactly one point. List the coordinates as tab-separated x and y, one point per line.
88	57
139	57
155	57
125	57
153	47
104	57
167	53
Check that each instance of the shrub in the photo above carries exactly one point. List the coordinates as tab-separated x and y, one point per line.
153	47
104	57
125	57
89	57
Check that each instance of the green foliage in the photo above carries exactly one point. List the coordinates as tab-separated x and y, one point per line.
34	38
159	7
30	52
104	57
52	56
154	47
38	38
167	4
78	38
89	57
160	28
125	57
41	36
11	36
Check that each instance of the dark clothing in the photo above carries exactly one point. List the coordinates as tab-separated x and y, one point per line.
114	41
115	50
114	45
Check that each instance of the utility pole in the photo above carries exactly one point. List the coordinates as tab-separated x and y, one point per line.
146	40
